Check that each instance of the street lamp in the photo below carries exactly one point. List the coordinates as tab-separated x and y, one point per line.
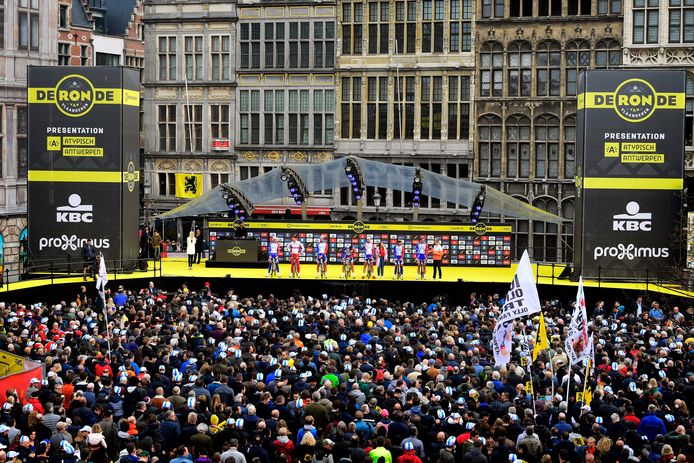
377	203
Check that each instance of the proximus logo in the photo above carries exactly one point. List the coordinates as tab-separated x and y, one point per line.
72	243
629	252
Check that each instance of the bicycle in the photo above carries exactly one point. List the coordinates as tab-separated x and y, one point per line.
322	267
398	273
369	264
347	269
274	267
421	269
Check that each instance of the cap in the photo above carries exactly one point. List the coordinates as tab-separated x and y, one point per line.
408	445
450	442
86	429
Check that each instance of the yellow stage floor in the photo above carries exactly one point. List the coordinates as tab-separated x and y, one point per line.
177	267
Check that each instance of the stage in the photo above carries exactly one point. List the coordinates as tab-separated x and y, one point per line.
453	277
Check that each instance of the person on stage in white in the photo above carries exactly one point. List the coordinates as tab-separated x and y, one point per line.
190	249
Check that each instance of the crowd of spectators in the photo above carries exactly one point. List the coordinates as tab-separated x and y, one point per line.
205	376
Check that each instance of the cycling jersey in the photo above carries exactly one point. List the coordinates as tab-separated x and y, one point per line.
368	249
421	250
296	248
273	249
322	248
398	251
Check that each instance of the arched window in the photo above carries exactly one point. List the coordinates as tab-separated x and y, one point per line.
548	69
520	240
570	147
491	69
577	59
608	54
545	234
518	147
489	145
546	146
519	73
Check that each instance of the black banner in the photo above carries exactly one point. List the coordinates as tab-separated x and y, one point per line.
630	175
83	179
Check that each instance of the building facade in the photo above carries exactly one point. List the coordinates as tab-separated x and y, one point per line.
190	97
404	86
286	90
28	38
528	56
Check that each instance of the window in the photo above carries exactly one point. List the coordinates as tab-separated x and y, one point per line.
167	58
379	15
2	25
577	59
352	19
579	7
84	56
28	24
689	111
432	26
299	44
492	8
545	234
193	57
323	117
250	46
274	45
492	69
167	127
548	69
430	107
609	6
246	172
167	184
298	117
570	147
519	69
546	147
549	8
489	146
324	44
137	63
273	114
405	26
645	18
218	179
350	119
377	108
457	171
523	8
62	17
608	54
518	147
193	127
460	28
107	59
249	108
458	107
63	54
681	21
22	142
219	121
568	210
403	113
221	57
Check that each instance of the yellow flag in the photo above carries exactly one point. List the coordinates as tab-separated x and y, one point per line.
541	341
188	185
587	396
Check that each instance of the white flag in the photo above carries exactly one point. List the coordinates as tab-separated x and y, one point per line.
102	276
521	300
579	343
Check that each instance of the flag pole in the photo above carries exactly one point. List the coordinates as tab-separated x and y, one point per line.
585	380
530	373
551	366
568	386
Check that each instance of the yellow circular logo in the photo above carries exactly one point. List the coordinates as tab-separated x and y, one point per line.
635	100
358	227
74	95
481	229
236	251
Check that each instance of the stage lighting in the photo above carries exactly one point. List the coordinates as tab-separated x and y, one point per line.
353	173
237	202
416	188
295	185
477	205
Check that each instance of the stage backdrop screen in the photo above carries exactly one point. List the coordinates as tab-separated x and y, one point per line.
629	182
476	245
83	162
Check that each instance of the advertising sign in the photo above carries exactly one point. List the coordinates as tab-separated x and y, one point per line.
83	162
630	175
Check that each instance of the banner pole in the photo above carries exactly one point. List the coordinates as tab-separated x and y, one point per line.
568	386
551	366
585	380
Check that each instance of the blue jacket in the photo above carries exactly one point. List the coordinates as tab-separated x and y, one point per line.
170	434
651	426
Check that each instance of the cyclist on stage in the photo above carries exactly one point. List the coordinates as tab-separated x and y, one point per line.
321	258
273	261
368	249
348	255
398	259
421	250
296	248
